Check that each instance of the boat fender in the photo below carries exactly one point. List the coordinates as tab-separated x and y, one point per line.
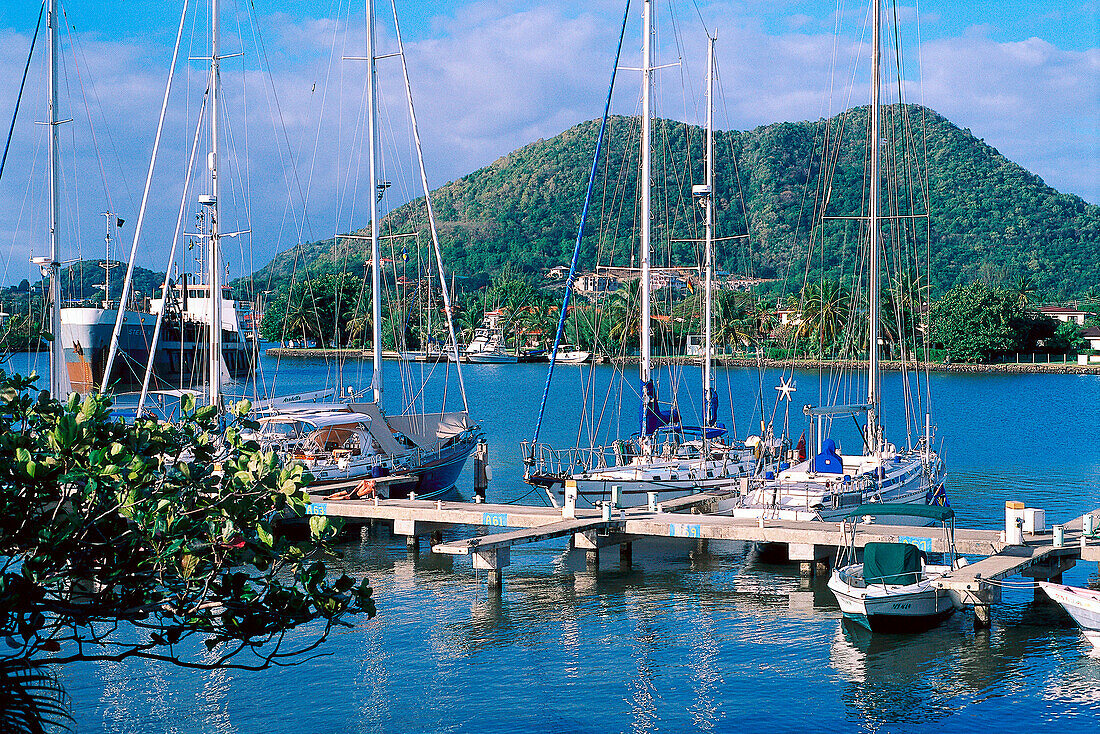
836	501
343	462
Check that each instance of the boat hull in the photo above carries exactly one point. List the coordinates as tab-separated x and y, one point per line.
830	498
895	609
667	481
1083	605
86	336
492	358
435	471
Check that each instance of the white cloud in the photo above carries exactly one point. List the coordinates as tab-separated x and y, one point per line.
488	78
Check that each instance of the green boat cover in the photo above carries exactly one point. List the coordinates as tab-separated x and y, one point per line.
933	512
891	563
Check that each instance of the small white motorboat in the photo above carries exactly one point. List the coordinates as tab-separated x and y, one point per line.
892	589
569	354
1081	604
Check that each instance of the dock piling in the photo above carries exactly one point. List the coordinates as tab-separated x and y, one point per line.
983	616
482	472
625	559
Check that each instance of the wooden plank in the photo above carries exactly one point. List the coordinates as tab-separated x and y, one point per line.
525	535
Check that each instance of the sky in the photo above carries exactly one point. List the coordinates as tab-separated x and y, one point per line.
487	76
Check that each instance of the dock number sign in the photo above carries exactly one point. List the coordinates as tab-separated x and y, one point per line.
495	519
925	544
676	530
316	508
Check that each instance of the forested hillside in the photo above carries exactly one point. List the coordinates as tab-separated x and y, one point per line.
989	218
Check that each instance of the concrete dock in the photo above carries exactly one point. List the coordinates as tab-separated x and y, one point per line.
812	545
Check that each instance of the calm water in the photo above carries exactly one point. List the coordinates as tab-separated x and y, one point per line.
683	641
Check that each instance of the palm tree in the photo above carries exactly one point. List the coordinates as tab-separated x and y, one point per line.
1024	288
621	314
32	700
824	310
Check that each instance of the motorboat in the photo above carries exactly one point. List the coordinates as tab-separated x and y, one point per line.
1083	605
890	586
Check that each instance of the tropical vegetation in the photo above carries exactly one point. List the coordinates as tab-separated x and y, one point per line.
153	540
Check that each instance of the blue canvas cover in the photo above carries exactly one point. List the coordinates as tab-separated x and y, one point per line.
652	415
828	461
891	563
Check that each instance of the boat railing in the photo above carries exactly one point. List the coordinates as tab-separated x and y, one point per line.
774	493
546	460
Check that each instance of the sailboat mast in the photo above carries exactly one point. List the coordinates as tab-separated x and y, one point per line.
375	246
57	350
874	429
645	180
708	377
214	276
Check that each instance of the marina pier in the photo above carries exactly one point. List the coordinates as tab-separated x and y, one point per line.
811	544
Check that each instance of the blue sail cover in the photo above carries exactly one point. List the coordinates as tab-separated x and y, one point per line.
710	407
652	417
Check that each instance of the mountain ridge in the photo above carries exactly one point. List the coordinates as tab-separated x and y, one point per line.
990	218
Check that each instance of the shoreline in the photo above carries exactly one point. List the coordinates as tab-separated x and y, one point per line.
1058	368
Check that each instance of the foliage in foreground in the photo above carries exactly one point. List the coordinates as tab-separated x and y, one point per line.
121	541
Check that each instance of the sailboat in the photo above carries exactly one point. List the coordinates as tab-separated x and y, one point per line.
350	440
112	345
665	459
828	484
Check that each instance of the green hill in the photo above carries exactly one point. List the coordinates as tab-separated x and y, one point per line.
990	218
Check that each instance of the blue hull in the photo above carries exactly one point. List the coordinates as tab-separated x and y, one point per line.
442	470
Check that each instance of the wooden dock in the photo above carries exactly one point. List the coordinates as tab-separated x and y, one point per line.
811	544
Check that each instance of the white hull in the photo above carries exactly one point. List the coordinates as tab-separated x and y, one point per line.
892	608
577	357
492	358
668	479
800	494
1081	604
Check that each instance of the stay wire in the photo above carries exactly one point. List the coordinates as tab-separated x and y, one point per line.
580	231
22	84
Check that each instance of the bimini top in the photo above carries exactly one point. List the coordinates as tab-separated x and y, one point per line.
933	512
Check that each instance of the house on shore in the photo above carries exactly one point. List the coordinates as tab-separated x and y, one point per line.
1065	313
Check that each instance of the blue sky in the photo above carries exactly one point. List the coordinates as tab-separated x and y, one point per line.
490	76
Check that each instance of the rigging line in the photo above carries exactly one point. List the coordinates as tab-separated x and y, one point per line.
22	84
128	282
431	214
304	226
165	292
91	127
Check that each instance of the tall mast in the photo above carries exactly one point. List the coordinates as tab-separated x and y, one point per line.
874	429
645	245
375	247
214	260
107	262
708	200
57	351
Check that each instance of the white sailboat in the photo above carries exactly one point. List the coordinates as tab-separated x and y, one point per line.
829	484
665	459
353	440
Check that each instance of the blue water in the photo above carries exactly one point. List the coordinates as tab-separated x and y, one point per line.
684	640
